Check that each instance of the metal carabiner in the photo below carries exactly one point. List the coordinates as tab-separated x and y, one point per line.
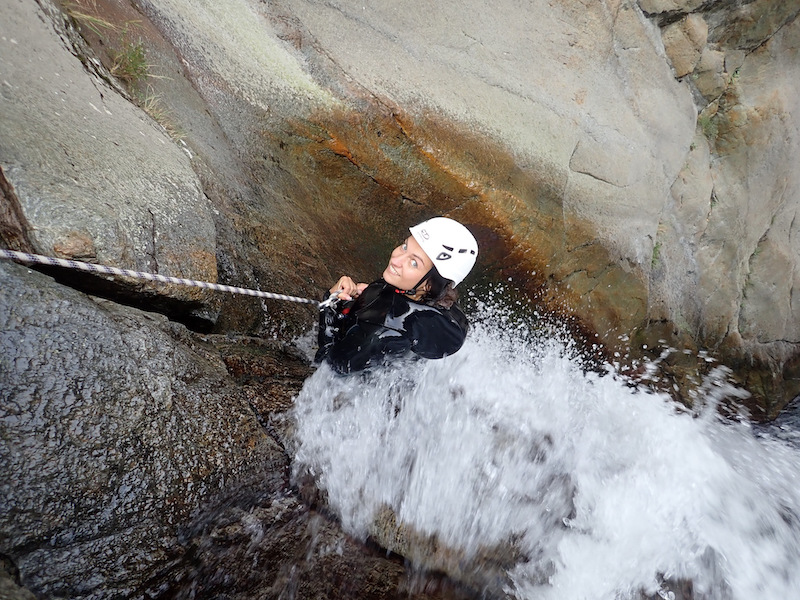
330	300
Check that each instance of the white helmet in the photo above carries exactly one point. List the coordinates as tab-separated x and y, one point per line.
450	246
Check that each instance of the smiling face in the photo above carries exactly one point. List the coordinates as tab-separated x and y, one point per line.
407	265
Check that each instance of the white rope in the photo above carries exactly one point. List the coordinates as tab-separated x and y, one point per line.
24	257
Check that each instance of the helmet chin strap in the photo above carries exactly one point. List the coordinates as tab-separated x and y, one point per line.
413	291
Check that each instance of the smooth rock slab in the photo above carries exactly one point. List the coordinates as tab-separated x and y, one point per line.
96	178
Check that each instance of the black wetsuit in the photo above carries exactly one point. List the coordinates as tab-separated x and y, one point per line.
383	323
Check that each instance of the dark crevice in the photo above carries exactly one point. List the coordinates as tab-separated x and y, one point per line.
411	200
767	39
14	227
195	315
153	253
9	569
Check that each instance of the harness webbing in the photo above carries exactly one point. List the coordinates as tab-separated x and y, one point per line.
24	257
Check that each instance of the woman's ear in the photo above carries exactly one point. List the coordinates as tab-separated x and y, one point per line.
421	290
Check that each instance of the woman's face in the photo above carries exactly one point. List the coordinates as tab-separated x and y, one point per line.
407	265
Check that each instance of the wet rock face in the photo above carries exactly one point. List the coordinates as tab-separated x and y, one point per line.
278	548
115	431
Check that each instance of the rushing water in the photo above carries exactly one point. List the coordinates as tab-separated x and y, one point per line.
603	491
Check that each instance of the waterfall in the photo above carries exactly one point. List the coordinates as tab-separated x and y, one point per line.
595	488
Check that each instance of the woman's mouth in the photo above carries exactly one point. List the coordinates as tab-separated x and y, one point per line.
393	271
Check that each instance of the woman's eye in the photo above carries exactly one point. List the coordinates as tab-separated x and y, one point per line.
413	263
404	247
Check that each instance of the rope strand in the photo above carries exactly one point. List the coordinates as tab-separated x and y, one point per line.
24	257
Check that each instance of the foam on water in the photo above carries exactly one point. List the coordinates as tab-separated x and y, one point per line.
604	489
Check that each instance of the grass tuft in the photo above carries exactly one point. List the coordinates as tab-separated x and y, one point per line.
97	24
654	260
130	62
709	126
150	102
125	59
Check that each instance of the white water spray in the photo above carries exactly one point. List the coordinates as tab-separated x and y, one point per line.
602	491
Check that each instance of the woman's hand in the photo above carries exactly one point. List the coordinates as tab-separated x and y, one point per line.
347	288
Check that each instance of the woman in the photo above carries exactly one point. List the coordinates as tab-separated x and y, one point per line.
411	309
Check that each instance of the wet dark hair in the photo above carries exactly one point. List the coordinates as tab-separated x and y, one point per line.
441	291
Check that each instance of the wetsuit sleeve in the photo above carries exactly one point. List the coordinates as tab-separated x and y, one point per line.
332	319
365	345
436	333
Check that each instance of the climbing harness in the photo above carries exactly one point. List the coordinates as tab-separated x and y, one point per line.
24	257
